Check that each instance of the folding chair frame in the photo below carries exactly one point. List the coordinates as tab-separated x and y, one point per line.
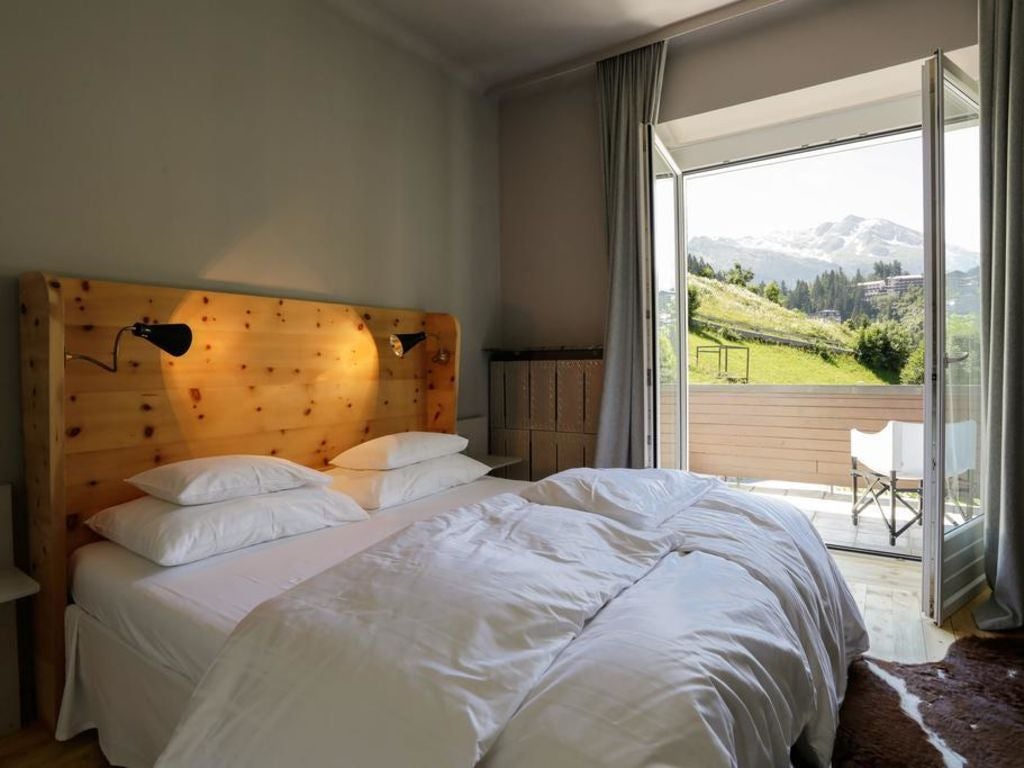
879	483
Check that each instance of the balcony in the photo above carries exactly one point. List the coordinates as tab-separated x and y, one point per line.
794	441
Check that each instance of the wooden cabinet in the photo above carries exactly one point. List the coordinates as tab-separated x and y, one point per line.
544	408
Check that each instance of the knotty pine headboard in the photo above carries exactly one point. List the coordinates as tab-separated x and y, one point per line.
302	380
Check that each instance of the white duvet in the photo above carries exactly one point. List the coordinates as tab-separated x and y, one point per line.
515	634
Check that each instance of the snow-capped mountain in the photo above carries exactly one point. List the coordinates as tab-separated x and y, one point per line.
852	243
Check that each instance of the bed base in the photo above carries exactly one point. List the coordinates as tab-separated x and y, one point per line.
133	702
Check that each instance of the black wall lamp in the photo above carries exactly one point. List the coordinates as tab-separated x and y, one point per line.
403	342
173	338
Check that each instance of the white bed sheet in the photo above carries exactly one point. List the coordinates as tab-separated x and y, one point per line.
180	617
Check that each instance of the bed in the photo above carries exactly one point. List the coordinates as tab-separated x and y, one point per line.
503	645
771	628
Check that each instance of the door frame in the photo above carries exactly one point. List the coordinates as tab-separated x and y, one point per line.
682	301
934	74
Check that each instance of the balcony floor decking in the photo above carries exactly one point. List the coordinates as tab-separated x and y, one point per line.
799	435
828	508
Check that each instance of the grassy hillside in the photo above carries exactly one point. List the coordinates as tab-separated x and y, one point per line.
735	306
772	363
776	364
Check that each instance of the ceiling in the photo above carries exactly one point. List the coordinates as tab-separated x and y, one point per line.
494	42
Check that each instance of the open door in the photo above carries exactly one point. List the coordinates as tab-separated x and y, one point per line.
669	301
953	519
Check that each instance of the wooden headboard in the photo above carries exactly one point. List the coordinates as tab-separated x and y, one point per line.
302	380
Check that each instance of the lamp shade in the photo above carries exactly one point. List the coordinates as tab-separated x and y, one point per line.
173	338
403	342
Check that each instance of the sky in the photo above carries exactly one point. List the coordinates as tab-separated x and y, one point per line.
878	178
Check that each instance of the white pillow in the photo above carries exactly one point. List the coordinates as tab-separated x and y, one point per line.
169	534
399	450
377	489
639	498
218	478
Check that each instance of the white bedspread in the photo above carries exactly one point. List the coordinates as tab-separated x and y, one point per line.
725	655
720	638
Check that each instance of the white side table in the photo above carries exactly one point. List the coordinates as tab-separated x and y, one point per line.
494	461
15	584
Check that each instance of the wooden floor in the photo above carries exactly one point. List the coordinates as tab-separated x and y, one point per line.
887	591
34	747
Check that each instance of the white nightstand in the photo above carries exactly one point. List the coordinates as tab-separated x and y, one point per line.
14	584
494	461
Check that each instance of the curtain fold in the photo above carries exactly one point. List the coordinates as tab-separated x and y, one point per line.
629	95
1001	38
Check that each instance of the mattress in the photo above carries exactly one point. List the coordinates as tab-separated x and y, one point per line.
180	617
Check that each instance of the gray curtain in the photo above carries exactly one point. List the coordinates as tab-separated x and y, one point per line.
1002	326
629	93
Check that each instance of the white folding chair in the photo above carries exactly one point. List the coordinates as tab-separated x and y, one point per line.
884	460
895	455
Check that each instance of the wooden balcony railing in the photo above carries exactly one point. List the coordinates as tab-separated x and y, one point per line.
797	433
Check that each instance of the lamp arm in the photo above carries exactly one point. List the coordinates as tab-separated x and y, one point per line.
89	359
442	355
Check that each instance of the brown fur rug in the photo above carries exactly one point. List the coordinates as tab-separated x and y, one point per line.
972	702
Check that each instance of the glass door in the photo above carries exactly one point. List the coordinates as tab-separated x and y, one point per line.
670	305
954	527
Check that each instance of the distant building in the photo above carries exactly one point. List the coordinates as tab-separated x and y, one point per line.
895	285
831	315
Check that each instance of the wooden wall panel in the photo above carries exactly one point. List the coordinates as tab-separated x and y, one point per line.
518	442
442	379
543	454
99	421
593	381
512	442
571	406
297	379
517	395
496	398
499	444
303	380
543	412
571	451
558	429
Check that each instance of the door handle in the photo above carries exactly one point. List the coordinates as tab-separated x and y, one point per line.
950	359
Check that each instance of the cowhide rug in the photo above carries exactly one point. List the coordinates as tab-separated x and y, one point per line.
966	710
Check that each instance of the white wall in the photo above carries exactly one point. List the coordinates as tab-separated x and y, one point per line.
259	145
552	206
553	240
